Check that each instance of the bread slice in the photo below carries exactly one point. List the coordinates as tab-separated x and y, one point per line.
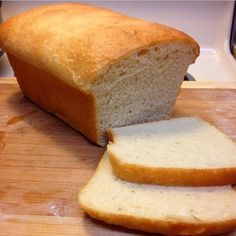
183	151
158	209
95	68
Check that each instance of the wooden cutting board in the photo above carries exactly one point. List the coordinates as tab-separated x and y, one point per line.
44	163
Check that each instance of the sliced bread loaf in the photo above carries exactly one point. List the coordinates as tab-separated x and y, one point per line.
159	209
95	68
183	151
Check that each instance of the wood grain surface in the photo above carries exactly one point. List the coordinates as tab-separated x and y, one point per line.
44	163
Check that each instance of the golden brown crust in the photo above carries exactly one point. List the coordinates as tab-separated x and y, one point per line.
172	176
168	227
76	42
72	105
110	135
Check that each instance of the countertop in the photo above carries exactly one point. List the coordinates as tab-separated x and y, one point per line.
44	163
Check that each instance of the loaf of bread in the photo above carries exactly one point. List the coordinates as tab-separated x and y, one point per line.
95	68
158	209
184	151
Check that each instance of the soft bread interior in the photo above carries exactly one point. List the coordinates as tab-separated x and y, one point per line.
186	142
142	87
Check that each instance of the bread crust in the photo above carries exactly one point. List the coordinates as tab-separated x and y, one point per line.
72	105
77	43
172	176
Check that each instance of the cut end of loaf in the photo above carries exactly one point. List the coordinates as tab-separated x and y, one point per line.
142	87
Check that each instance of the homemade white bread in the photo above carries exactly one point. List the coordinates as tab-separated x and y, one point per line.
183	151
159	209
95	68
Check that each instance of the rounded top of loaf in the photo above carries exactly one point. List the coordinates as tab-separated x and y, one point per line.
77	42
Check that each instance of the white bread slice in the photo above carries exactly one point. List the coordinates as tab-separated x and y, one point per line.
159	209
184	151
